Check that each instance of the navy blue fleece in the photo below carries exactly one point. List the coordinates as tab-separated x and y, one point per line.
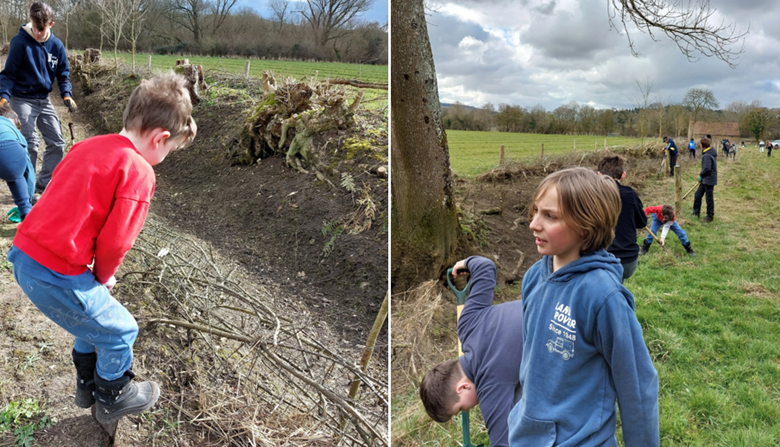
492	339
32	66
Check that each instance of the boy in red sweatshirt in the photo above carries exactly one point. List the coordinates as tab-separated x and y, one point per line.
664	215
91	214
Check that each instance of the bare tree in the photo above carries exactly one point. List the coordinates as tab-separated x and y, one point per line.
191	14
221	9
12	14
137	11
329	18
687	23
114	14
641	102
698	100
279	9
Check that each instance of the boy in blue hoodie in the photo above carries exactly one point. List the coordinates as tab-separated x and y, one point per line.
35	59
15	167
583	348
486	373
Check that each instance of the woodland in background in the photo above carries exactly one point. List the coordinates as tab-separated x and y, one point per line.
322	30
653	120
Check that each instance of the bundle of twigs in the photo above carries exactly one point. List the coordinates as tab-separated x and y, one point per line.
248	366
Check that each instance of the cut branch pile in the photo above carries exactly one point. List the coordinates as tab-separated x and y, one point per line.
247	366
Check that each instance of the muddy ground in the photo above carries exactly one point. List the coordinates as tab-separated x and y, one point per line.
266	218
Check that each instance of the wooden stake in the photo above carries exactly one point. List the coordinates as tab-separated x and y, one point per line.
542	151
502	155
149	63
110	429
677	190
246	70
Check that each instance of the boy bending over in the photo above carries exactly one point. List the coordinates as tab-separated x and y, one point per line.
92	214
583	348
486	373
664	215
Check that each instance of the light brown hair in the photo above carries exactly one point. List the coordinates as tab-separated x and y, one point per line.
41	15
612	165
164	102
8	112
705	142
437	390
588	203
668	212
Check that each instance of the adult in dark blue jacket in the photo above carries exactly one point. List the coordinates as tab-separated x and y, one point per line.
672	148
708	178
35	59
487	372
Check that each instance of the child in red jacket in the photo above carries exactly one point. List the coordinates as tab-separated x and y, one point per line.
664	215
91	214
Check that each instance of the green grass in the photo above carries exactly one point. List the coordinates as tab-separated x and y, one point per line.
711	322
298	70
472	153
24	418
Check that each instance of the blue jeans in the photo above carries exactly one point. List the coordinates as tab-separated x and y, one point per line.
676	229
92	316
17	171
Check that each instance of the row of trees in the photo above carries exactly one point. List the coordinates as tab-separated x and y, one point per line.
650	120
330	30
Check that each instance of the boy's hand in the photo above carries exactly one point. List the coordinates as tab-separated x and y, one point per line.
72	107
111	282
661	241
460	269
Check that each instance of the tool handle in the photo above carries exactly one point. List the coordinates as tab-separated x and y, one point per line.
460	295
690	190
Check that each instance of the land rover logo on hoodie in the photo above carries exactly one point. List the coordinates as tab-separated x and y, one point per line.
53	61
564	329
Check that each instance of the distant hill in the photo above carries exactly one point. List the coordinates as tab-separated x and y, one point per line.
446	105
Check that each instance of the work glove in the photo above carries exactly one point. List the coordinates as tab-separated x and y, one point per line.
3	102
699	179
72	107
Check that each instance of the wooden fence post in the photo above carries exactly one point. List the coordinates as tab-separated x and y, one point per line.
246	70
677	189
149	63
605	144
502	155
595	145
542	151
575	144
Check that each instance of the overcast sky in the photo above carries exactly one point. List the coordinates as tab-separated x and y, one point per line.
377	12
528	52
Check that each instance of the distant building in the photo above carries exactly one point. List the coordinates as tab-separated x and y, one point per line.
718	131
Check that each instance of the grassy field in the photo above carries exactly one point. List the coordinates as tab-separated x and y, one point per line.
711	322
473	153
298	70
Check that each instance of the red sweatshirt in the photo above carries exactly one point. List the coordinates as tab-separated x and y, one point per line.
657	211
93	209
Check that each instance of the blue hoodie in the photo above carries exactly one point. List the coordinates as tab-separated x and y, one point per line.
492	338
583	351
9	132
32	66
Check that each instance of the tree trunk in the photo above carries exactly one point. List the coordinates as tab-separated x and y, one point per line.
424	219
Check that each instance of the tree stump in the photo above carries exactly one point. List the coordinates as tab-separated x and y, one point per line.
91	56
195	82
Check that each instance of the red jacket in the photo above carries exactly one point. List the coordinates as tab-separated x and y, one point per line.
92	210
657	211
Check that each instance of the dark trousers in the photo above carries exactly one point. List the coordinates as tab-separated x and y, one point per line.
708	191
692	152
672	162
769	151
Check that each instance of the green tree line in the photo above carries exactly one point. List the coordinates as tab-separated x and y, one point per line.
653	121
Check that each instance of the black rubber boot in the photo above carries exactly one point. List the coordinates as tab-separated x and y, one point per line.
644	249
121	397
85	378
689	249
